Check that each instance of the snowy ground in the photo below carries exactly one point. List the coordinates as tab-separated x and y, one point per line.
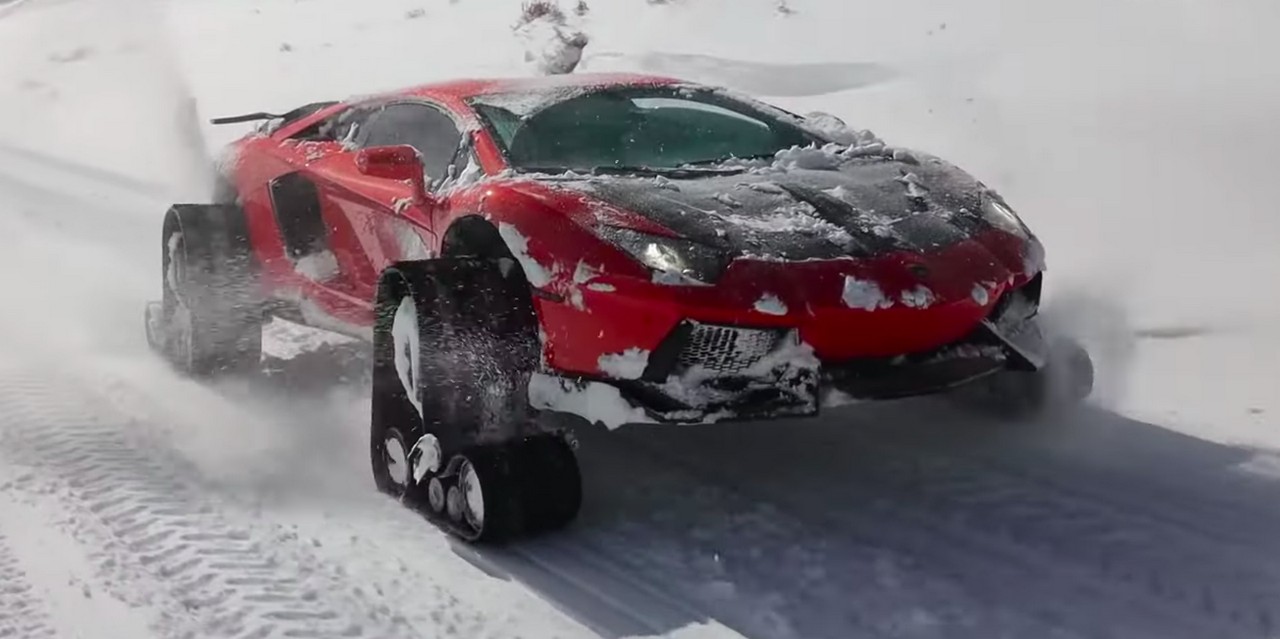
1137	140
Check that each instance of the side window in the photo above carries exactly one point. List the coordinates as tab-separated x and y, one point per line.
337	128
344	127
424	128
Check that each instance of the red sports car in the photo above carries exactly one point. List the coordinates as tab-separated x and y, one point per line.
623	248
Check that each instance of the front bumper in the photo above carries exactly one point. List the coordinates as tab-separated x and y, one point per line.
704	373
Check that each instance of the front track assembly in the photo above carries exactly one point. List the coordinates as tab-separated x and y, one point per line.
452	432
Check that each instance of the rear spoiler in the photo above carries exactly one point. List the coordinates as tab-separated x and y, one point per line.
248	117
300	112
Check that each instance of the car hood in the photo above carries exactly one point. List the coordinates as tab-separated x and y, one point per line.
861	208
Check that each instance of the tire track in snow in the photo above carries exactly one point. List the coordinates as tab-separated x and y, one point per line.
373	551
20	157
600	592
227	580
67	218
80	200
21	613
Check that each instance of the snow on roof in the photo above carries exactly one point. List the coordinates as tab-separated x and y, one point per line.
467	88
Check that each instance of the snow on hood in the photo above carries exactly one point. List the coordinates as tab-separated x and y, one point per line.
809	203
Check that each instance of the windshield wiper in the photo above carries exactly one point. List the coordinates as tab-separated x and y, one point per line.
677	172
732	158
644	171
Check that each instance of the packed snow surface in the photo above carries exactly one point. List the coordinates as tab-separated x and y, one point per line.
135	503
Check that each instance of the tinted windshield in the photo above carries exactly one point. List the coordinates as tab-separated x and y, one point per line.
644	128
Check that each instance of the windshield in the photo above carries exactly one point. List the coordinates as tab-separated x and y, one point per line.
647	128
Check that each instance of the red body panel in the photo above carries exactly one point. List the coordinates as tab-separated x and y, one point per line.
594	299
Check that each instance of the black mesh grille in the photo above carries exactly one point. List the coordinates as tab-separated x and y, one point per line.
727	350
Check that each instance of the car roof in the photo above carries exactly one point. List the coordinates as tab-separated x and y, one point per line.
464	89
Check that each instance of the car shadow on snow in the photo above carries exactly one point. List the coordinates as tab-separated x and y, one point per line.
906	518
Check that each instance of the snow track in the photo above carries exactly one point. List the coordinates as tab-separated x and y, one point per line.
597	589
221	579
21	613
14	157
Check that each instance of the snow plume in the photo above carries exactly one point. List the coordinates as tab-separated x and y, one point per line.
551	45
1099	321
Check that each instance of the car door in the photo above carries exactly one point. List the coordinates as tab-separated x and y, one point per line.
382	226
315	234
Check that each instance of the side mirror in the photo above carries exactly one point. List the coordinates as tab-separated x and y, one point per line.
398	162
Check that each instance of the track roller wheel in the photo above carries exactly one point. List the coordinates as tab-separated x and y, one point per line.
496	493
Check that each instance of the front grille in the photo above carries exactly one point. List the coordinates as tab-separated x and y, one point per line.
726	350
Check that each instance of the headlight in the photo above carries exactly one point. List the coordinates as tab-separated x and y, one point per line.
670	256
999	215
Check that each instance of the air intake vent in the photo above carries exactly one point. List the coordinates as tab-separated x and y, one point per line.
727	350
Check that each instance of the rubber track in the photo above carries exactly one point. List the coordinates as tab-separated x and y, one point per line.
21	614
219	572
